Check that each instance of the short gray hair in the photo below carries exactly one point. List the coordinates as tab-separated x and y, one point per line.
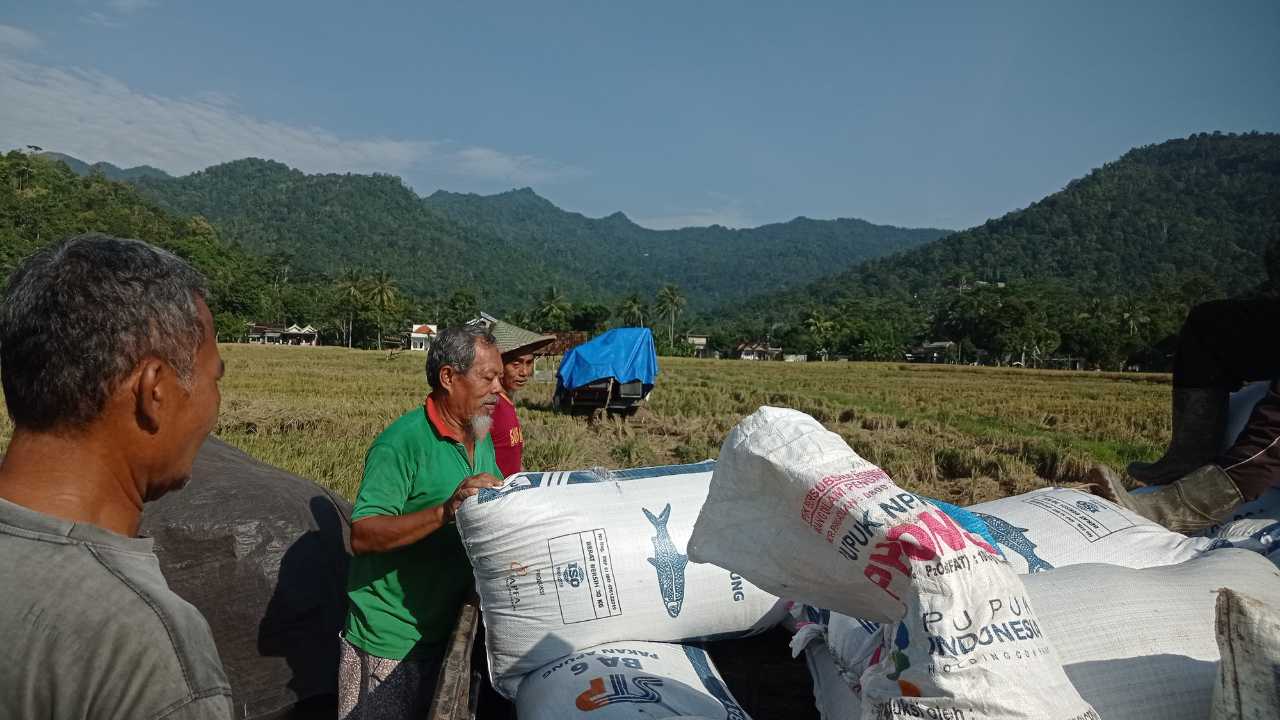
456	347
77	318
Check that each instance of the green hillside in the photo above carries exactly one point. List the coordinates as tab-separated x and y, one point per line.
712	265
109	171
1206	205
1103	270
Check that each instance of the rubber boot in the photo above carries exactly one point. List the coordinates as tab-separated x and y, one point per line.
1197	501
1253	461
1199	419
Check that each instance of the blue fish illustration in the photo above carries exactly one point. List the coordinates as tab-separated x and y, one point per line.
668	561
1015	539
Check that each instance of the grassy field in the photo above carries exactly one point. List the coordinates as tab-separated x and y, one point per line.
959	433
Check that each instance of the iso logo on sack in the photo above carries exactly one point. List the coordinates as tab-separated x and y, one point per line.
1088	506
572	574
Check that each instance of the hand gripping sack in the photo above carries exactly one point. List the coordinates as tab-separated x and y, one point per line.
1052	527
620	681
577	565
793	509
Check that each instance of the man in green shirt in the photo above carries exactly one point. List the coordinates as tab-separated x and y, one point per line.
410	574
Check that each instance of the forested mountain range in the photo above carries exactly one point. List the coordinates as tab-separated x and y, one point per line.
1205	205
504	248
1104	270
711	265
109	171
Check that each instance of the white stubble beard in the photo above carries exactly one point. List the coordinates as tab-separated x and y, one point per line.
479	426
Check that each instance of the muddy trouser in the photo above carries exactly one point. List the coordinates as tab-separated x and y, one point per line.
374	688
1226	343
1253	461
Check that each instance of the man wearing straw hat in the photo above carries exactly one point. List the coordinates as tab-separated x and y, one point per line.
518	347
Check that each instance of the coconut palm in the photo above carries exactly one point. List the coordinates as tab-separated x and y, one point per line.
553	310
670	303
350	297
383	296
632	311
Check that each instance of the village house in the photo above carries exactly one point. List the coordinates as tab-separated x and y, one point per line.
292	335
700	346
758	351
420	336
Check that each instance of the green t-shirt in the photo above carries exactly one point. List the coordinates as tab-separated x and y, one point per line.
411	595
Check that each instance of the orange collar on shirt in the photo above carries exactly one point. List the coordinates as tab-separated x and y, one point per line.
438	424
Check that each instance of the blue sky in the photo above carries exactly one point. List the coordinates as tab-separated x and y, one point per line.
909	113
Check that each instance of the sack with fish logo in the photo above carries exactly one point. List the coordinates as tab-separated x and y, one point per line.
619	681
796	511
583	563
1054	526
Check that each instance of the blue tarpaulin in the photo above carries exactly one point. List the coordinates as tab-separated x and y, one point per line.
625	354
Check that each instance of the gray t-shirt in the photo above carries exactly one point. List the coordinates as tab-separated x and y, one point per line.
91	629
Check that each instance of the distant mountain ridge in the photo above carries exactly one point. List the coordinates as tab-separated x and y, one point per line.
1206	206
710	264
506	247
109	171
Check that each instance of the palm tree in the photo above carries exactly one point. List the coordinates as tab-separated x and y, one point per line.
821	329
632	311
670	302
350	297
553	309
384	296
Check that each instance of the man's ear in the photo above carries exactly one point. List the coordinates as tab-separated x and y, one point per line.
149	394
447	375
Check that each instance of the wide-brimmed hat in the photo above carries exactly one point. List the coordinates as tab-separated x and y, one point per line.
513	340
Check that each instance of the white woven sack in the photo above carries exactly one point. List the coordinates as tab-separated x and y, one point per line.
1248	682
1139	644
620	681
1053	527
578	565
792	508
833	697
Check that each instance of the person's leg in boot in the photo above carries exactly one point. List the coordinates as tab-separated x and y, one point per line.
1222	344
1207	495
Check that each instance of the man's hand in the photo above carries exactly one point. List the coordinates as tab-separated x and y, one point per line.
469	487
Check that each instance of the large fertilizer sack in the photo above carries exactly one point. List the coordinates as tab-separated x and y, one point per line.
1053	527
1140	644
1135	643
619	681
577	565
1248	631
797	512
263	555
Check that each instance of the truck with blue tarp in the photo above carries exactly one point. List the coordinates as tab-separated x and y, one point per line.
614	372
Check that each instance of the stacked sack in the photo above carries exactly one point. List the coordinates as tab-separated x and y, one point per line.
797	512
1129	609
592	565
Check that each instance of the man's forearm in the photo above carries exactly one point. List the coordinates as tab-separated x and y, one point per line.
382	533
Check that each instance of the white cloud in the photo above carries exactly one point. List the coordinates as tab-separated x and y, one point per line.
483	163
98	18
96	117
129	7
726	211
16	39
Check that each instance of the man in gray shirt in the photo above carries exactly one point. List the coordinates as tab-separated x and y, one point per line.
110	370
